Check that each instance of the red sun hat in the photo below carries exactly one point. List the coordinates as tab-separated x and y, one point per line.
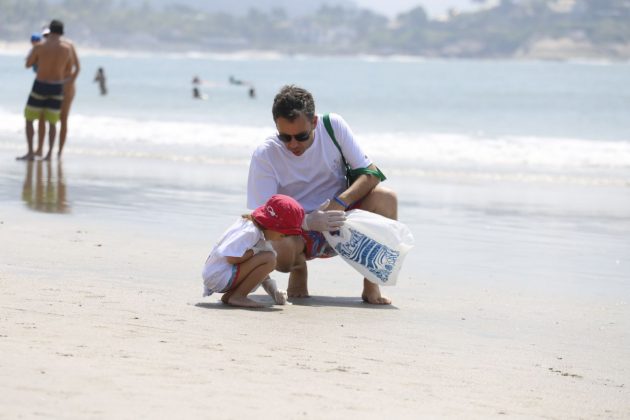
280	213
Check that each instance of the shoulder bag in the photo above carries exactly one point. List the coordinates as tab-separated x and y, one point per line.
351	174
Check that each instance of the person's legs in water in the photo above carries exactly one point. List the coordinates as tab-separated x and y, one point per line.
33	111
68	96
52	133
44	100
41	135
30	131
52	114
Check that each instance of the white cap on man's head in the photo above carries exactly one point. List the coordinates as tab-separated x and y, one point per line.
45	31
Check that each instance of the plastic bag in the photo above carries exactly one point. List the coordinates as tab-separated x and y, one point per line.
373	245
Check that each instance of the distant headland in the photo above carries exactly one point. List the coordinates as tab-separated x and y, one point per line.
522	29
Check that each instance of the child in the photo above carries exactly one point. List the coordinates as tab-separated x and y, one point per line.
243	258
36	38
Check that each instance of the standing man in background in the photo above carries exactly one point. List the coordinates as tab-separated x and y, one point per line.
68	96
38	38
54	59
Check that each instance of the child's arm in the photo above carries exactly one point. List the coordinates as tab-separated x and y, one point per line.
237	260
31	58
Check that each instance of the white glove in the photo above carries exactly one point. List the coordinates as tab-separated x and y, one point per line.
279	296
324	221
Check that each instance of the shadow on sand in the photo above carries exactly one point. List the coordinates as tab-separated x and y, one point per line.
338	301
222	306
314	301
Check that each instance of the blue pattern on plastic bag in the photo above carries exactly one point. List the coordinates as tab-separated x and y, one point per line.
379	259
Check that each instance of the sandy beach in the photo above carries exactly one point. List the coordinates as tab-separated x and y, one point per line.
102	318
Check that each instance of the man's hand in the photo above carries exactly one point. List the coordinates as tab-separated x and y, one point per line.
324	221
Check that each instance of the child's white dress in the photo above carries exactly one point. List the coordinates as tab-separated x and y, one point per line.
218	275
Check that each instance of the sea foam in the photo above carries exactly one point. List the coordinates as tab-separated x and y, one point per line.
413	152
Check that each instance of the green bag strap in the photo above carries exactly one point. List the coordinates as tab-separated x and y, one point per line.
359	171
331	133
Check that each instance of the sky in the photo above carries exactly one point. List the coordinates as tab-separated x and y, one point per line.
434	8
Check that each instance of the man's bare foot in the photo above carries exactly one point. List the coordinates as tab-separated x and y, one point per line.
241	301
38	153
298	283
372	294
297	290
28	156
47	157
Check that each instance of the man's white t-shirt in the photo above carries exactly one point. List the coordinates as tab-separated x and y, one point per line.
312	178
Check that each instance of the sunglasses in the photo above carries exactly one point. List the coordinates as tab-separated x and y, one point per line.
301	137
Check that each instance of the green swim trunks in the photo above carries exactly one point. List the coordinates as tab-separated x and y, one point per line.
45	98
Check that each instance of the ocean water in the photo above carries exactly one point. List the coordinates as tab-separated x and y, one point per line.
483	116
497	163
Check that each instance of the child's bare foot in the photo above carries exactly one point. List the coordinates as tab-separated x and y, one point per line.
226	297
372	294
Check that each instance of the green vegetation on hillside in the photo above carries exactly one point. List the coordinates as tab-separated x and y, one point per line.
512	28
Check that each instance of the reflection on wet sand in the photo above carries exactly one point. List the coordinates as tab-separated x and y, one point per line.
45	188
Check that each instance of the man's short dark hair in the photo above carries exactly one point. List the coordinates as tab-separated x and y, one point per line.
291	102
56	27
